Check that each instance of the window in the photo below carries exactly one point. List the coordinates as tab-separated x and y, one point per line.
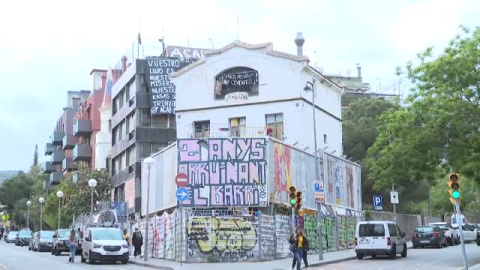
238	127
160	121
121	99
76	102
108	235
392	229
369	230
202	129
131	156
275	125
145	117
114	136
172	121
145	150
325	138
424	229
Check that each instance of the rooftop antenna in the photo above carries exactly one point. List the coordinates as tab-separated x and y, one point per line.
238	27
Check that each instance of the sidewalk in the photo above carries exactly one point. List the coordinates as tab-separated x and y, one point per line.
328	258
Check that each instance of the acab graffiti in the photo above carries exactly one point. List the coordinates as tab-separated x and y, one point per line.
223	239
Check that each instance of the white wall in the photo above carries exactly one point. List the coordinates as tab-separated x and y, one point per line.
279	79
161	186
103	139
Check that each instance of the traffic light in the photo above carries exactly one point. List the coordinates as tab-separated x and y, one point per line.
454	185
298	205
292	196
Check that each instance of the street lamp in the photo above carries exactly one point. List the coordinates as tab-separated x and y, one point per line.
149	161
28	214
59	195
310	86
92	183
41	200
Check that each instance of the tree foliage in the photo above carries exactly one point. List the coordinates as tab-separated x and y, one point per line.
360	130
437	131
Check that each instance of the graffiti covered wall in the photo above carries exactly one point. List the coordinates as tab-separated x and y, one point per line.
343	183
222	239
224	172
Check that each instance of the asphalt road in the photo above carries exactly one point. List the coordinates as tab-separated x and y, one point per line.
20	258
448	258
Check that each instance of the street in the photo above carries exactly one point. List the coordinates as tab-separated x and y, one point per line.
417	259
13	258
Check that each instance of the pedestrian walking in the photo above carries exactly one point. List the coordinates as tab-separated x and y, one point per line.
72	246
297	245
137	241
126	236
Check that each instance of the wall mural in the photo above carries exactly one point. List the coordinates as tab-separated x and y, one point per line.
224	172
237	83
342	182
222	239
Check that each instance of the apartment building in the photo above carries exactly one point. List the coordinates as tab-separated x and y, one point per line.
61	143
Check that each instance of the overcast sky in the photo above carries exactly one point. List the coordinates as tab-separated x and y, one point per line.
50	47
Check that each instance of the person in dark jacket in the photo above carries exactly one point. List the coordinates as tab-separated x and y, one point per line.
300	244
137	242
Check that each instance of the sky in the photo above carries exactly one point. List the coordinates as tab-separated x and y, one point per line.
49	47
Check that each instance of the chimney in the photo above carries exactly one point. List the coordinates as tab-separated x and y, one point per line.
124	63
104	80
299	40
359	71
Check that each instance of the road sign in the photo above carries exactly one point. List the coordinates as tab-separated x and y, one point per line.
394	197
181	180
182	194
378	203
319	192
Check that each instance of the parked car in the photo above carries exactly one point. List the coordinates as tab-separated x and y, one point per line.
452	235
61	241
379	238
11	237
43	240
23	238
104	244
429	236
469	232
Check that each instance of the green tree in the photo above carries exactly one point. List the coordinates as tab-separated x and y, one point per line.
437	131
360	129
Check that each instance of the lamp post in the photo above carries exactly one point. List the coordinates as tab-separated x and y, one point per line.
41	200
92	183
310	86
149	161
59	195
28	214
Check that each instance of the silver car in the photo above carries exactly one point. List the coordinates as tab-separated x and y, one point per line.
43	241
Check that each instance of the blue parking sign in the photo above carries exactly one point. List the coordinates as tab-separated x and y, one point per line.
377	202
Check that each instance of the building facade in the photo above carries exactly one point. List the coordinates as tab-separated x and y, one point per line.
62	142
251	90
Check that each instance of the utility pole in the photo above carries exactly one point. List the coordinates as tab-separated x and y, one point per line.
460	229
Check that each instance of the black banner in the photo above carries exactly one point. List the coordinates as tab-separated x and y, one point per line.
239	79
163	92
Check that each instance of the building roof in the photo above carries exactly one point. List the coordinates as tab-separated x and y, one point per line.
351	83
267	47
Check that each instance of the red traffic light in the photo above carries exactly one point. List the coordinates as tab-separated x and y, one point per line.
453	177
292	189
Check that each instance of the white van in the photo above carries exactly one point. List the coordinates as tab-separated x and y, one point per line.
379	238
104	244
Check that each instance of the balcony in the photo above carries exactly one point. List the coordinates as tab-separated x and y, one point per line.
69	142
82	128
226	131
57	158
82	152
55	178
57	138
68	165
49	148
76	176
48	168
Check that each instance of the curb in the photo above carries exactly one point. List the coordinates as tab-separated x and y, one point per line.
150	265
331	262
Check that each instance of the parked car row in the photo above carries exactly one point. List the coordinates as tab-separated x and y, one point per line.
374	238
100	243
